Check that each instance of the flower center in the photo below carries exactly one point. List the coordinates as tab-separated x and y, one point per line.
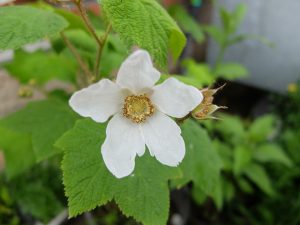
137	108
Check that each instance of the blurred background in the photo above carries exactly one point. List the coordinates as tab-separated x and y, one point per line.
253	47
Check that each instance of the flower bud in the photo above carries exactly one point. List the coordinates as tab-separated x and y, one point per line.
206	107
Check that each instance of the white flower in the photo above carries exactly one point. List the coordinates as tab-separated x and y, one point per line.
139	111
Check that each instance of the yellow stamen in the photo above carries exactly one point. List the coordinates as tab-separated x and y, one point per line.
138	108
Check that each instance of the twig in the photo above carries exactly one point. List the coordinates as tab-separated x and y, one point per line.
100	50
81	63
87	21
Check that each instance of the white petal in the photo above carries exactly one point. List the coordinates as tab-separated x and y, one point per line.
98	101
163	139
175	98
123	141
137	72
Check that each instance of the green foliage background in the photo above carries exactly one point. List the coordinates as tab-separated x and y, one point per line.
227	162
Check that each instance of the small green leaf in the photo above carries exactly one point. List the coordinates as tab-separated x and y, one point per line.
201	164
242	157
143	195
216	34
231	71
226	19
258	175
18	152
20	25
187	22
245	185
262	128
199	72
232	128
41	67
45	120
272	153
231	21
238	16
144	23
225	152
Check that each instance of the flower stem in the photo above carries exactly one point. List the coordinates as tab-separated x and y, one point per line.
80	61
100	40
87	21
181	120
100	50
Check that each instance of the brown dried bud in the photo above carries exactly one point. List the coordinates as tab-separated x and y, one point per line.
206	107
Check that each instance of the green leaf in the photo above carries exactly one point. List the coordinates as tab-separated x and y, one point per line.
243	37
272	153
41	67
231	71
226	19
114	51
216	34
232	128
262	128
46	121
21	25
38	200
201	164
242	157
75	22
198	195
258	175
231	21
144	23
18	152
245	185
238	16
82	41
185	79
199	72
144	195
225	152
39	192
187	22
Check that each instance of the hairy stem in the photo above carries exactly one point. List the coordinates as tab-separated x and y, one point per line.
87	21
80	61
100	50
181	120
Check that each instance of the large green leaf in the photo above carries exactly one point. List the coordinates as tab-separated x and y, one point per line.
144	23
45	120
18	152
41	67
21	25
88	184
201	164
